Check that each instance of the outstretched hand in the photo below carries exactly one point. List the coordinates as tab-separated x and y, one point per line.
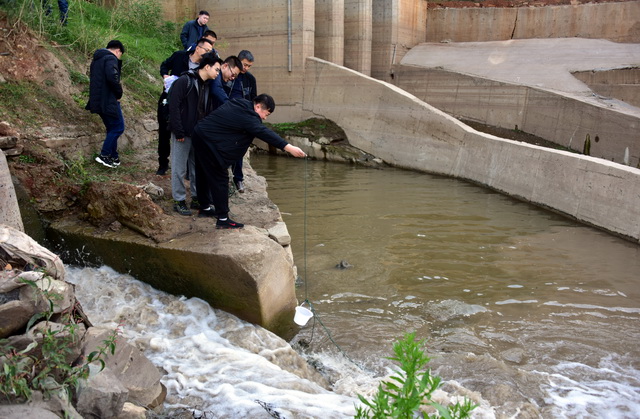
294	151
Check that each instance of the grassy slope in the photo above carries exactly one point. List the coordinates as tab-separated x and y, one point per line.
34	100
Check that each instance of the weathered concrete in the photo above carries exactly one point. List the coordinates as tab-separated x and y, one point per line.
528	85
406	132
358	35
9	210
398	26
329	30
243	272
622	84
262	28
617	22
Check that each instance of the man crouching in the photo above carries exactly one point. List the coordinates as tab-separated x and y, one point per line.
222	138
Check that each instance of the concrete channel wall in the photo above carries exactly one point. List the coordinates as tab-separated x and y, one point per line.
396	126
617	22
564	120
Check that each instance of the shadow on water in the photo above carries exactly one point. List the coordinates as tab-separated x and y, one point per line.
521	304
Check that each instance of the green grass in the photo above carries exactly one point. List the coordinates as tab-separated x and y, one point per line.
137	23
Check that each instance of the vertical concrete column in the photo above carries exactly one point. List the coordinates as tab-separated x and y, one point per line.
357	35
9	210
398	26
329	36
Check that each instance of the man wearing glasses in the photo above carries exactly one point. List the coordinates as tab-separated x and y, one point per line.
170	70
230	69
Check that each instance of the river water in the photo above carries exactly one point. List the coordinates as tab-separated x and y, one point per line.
536	312
528	313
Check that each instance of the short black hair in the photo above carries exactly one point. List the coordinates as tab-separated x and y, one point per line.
115	44
209	59
203	12
245	55
233	62
266	101
204	41
209	32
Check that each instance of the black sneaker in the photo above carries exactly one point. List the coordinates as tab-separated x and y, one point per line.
181	207
195	204
162	171
208	212
115	162
228	224
106	161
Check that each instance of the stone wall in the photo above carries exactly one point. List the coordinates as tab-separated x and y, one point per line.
618	22
407	132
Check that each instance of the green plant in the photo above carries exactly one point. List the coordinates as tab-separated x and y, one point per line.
48	370
26	159
411	388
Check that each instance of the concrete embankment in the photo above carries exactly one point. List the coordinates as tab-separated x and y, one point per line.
394	125
616	22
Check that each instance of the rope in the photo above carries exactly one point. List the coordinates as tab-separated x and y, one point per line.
306	289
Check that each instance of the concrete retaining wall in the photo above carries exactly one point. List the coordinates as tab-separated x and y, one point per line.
554	117
618	22
396	126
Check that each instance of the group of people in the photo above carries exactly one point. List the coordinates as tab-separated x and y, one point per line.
209	112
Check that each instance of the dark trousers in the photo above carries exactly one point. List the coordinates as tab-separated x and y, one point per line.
63	6
114	125
211	177
238	176
164	135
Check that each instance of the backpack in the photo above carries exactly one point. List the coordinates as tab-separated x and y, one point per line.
164	97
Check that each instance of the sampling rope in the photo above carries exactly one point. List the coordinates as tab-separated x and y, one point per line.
306	288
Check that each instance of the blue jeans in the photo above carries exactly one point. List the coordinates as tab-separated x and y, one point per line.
63	6
115	127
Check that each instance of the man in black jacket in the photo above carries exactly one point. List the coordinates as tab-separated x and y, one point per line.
194	29
188	103
175	65
223	137
105	92
243	86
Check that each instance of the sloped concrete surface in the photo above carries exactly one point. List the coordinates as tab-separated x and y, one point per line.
394	125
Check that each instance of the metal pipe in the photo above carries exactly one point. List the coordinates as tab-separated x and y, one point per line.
289	46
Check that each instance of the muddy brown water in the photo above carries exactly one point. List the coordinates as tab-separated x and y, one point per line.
538	313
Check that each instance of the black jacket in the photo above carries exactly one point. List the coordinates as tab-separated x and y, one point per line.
191	32
176	64
104	85
229	131
183	103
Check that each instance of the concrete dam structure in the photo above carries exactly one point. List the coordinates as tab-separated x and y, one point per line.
372	67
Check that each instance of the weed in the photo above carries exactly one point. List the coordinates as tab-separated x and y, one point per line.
23	372
410	389
26	159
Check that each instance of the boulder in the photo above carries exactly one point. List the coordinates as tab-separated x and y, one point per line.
102	395
129	366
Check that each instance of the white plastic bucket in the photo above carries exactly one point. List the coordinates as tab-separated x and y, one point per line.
302	315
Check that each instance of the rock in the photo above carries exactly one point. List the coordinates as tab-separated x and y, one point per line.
7	130
131	411
153	190
280	234
101	396
8	142
129	366
343	264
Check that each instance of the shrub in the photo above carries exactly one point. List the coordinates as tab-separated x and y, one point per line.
410	389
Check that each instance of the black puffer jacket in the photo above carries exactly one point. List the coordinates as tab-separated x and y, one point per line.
104	86
229	131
